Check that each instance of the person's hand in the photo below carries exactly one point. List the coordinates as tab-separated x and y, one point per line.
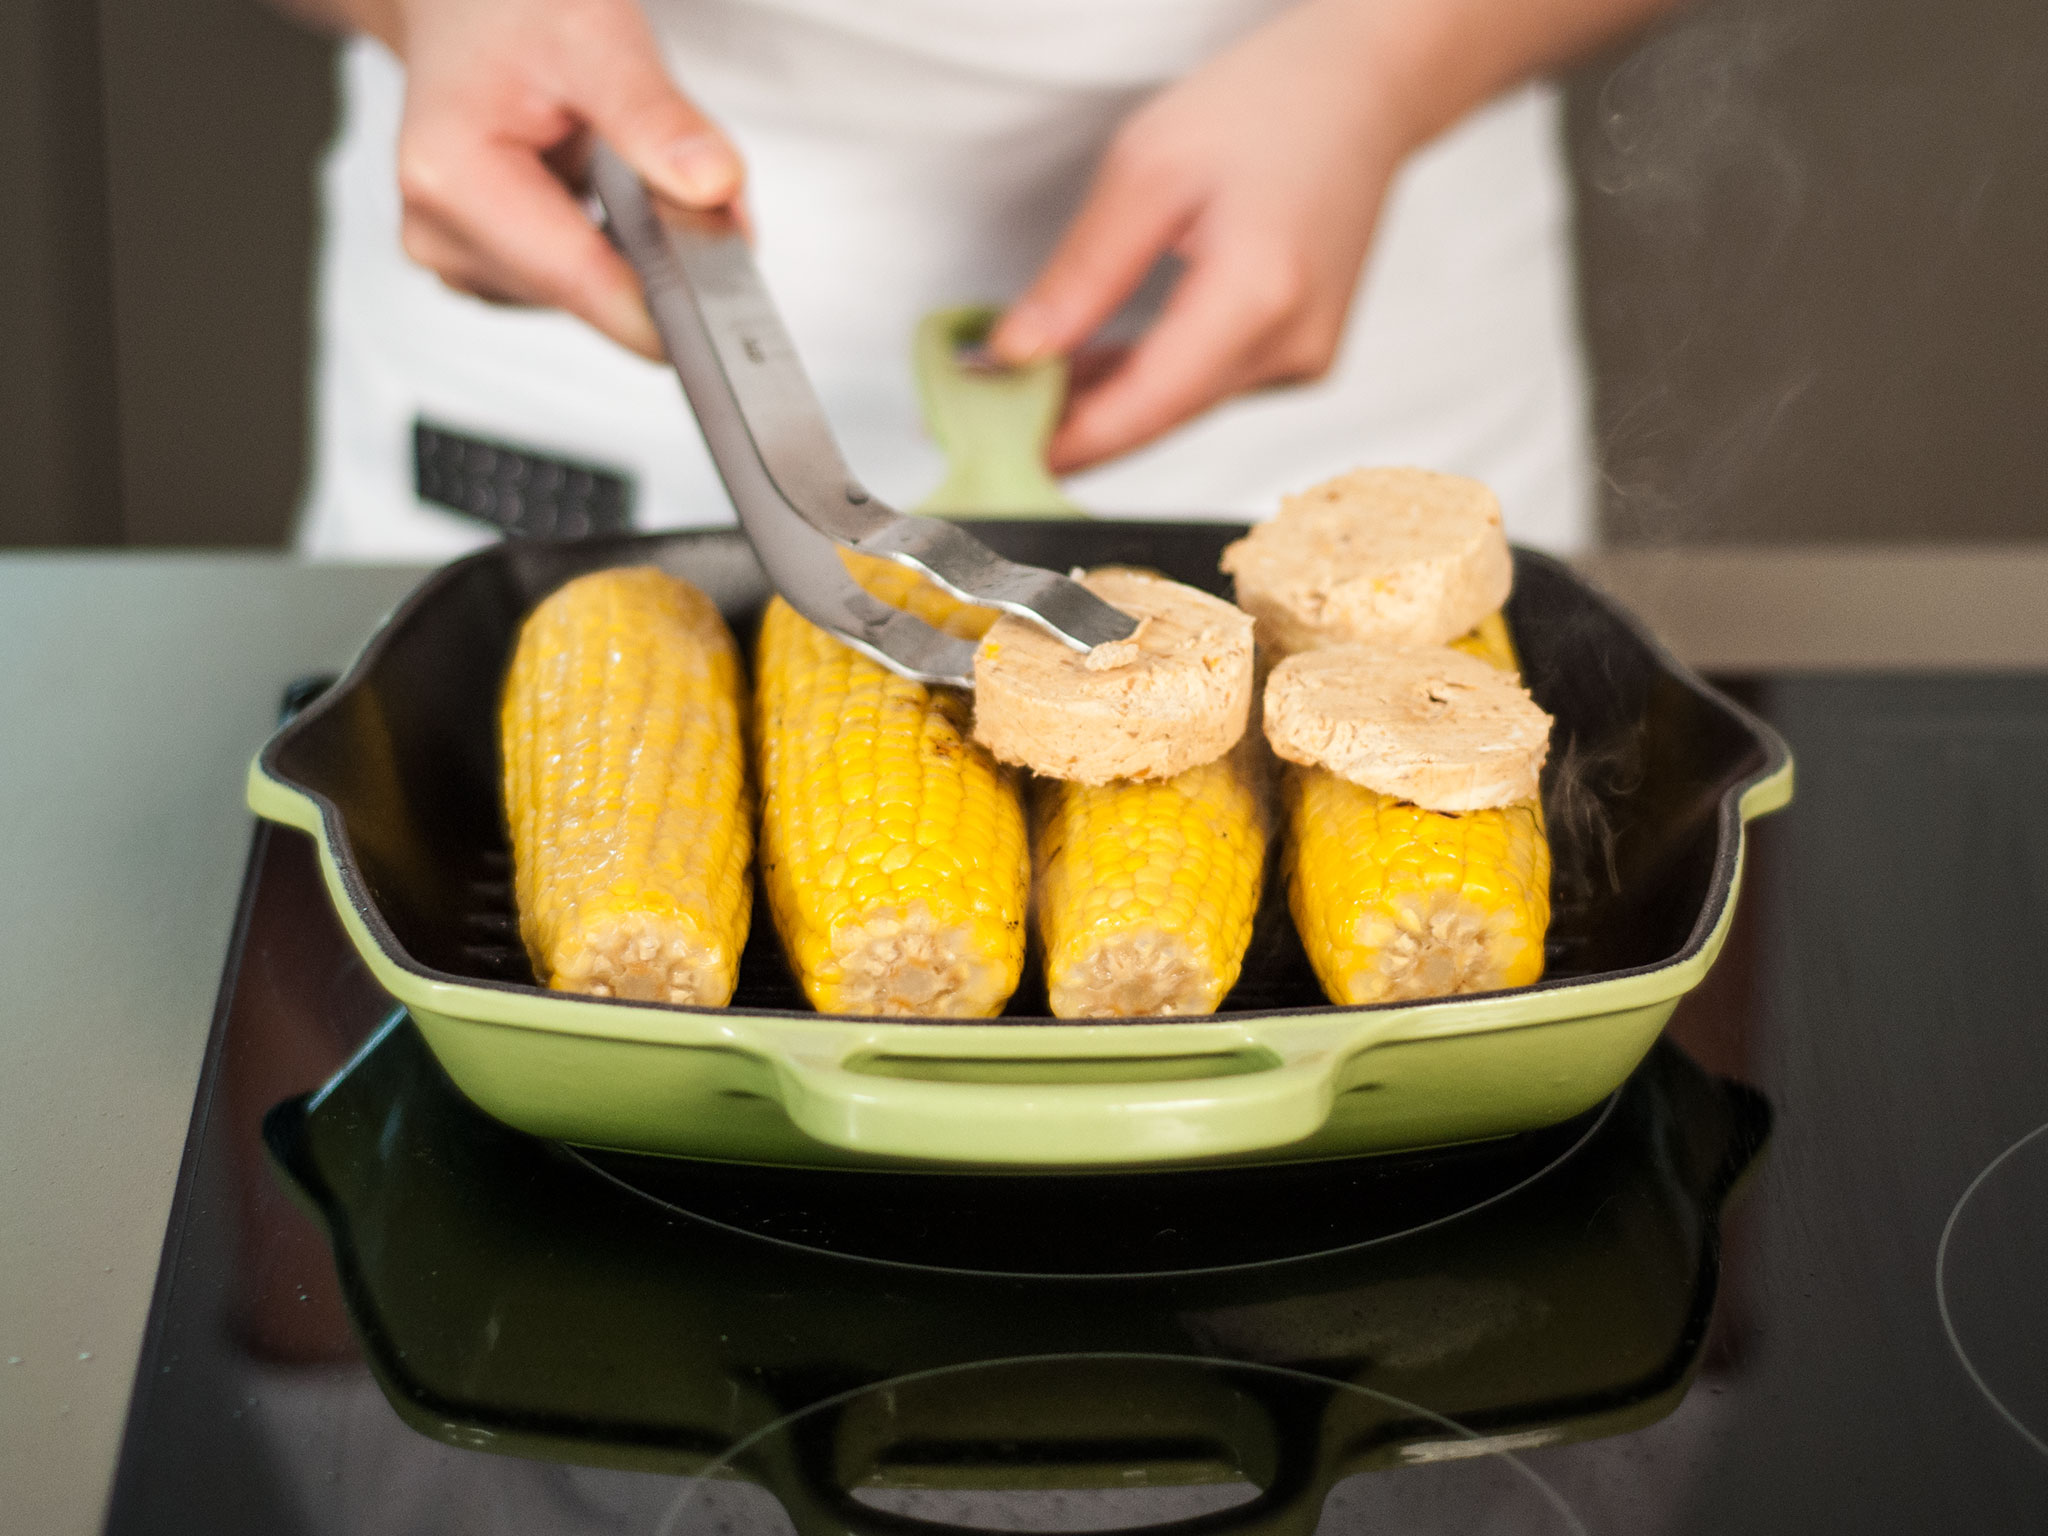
1263	172
501	99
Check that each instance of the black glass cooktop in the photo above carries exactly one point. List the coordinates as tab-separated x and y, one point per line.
1791	1278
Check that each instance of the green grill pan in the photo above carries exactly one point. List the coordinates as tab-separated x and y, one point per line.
394	772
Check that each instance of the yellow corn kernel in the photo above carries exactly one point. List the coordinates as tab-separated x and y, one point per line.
1146	892
892	846
1490	641
1393	901
625	790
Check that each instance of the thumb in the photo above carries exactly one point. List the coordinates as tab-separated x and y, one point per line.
623	92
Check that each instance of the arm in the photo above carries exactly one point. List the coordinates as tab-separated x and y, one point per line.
1263	172
501	99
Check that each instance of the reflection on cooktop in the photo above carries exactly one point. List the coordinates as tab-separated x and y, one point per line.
511	1297
1129	1223
1991	1281
1125	1442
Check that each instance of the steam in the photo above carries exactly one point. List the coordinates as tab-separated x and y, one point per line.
1685	112
1591	774
1684	129
1585	781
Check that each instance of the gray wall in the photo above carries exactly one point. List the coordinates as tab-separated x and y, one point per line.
153	288
59	447
1814	268
1814	240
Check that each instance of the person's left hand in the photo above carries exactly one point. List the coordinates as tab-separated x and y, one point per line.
1263	172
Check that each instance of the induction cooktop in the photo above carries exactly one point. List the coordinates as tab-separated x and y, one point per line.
1789	1278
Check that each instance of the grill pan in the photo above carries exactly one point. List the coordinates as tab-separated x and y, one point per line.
394	772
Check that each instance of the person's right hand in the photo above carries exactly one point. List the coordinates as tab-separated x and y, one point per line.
501	99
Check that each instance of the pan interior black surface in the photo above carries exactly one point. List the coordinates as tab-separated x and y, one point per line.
405	751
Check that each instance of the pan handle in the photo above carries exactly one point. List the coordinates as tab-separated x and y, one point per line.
1209	1102
993	424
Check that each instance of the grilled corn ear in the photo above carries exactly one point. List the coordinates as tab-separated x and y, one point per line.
1146	891
1394	902
892	847
625	789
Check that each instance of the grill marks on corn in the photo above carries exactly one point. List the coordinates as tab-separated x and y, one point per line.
892	847
1146	892
626	791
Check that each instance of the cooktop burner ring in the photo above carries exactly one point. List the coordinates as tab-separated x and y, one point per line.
1588	1128
1942	1271
1461	1444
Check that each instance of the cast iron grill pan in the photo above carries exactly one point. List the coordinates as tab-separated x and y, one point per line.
1643	759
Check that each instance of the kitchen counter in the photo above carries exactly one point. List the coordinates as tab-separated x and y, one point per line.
136	689
140	684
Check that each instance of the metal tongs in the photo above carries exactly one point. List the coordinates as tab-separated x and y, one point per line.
796	499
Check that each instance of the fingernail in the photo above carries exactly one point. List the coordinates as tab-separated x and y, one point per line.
704	169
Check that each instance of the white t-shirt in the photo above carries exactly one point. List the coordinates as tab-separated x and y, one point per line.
905	155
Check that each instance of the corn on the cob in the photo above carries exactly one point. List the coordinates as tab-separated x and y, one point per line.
1146	892
626	792
892	847
1393	901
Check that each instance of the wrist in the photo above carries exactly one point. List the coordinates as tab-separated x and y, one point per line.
1396	51
1429	62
